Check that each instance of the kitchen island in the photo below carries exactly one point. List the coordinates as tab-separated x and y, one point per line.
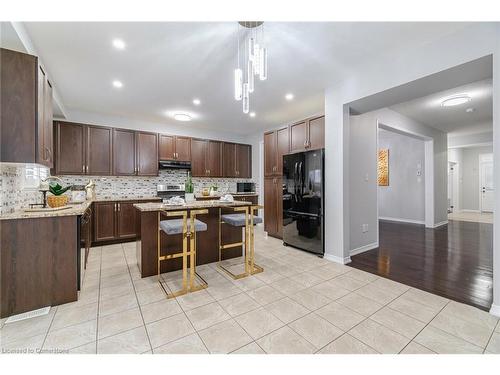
207	241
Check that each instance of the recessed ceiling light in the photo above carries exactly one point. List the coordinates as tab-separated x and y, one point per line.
456	100
252	114
119	44
196	101
117	84
470	110
289	96
182	117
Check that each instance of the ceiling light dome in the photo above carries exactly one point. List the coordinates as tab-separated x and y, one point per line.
182	117
456	100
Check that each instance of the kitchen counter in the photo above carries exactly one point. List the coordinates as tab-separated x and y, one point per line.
214	203
74	210
217	196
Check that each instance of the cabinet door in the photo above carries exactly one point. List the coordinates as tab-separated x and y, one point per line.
99	149
48	132
166	147
243	161
183	148
279	206
317	133
41	153
229	160
104	221
283	147
70	148
126	220
298	136
124	152
270	206
147	154
270	154
198	157
214	158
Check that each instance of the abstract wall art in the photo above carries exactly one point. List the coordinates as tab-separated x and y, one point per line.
383	167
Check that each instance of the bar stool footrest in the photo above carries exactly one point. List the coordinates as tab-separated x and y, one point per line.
200	284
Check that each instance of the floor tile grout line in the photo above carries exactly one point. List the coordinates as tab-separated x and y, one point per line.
48	329
98	304
138	304
491	336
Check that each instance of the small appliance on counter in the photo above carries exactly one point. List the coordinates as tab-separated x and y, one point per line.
90	190
169	191
245	187
78	194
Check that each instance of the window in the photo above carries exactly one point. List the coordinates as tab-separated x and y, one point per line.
33	175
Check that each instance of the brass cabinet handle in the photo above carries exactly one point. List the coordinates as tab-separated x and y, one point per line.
83	168
119	207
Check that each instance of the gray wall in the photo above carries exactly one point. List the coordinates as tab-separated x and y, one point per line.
470	173
404	198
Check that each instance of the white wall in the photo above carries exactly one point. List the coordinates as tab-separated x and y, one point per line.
470	173
362	172
404	198
455	155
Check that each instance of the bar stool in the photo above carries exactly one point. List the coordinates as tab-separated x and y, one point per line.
187	226
245	220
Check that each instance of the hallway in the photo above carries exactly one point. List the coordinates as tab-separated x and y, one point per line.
453	261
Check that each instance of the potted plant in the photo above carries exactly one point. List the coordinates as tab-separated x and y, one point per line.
189	189
57	199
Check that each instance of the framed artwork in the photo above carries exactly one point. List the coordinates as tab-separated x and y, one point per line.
383	167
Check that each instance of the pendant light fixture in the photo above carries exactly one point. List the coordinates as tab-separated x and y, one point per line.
255	61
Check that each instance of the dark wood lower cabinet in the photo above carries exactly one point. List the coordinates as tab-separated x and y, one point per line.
38	263
104	221
273	206
125	220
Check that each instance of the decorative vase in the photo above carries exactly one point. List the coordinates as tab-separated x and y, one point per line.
189	197
57	200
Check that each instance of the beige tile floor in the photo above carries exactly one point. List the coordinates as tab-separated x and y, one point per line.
476	217
300	304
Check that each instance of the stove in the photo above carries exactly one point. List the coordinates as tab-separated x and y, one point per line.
168	191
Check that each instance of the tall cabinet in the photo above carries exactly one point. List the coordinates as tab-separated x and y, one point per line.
25	109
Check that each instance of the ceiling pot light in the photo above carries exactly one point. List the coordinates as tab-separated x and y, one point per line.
455	100
289	96
252	114
117	84
196	101
119	44
182	117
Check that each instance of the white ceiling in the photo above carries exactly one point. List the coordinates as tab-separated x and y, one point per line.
166	65
454	120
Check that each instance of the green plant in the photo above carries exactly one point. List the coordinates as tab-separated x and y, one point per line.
189	187
215	187
57	189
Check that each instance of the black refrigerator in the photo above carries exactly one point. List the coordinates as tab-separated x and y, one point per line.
303	200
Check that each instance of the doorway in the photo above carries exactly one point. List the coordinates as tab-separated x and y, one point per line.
486	187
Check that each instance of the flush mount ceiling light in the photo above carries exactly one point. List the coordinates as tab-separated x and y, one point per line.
254	56
117	84
119	44
196	101
456	100
182	117
289	96
252	114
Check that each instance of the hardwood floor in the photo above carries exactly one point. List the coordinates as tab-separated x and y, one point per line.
453	261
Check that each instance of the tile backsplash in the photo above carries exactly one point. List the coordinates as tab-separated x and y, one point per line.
18	181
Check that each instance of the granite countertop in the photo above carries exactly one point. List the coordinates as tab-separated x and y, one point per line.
73	210
216	196
214	203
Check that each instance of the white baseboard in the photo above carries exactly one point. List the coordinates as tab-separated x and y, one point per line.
400	220
364	248
438	224
495	310
336	259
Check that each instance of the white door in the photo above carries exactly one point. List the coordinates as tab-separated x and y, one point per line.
486	181
450	187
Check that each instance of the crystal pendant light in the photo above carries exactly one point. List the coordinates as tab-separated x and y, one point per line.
250	74
263	64
256	61
238	84
246	98
251	49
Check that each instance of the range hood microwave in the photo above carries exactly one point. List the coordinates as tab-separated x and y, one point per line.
174	164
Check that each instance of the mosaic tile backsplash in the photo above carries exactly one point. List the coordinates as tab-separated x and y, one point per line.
16	193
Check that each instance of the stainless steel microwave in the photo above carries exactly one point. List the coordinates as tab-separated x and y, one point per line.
245	187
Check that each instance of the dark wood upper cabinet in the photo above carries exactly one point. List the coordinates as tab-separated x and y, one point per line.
147	153
243	161
26	110
182	148
229	159
214	158
104	221
166	147
270	158
70	148
99	151
126	220
298	136
316	132
124	152
198	157
282	148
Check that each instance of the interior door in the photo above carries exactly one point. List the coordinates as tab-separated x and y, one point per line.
486	179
